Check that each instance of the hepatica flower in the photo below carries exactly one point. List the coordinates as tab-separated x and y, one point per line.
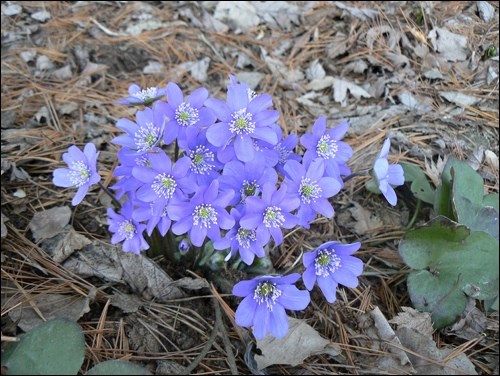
285	151
249	243
312	188
243	119
325	143
185	112
204	164
271	213
204	215
388	175
161	179
145	96
265	301
246	179
145	135
81	172
331	264
126	229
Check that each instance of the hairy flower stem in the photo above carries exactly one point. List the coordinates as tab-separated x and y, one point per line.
157	244
176	152
170	247
415	215
108	192
353	175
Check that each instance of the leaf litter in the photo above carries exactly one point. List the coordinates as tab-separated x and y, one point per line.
424	84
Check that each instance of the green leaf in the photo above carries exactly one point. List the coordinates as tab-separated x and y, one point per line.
475	260
439	295
451	261
56	347
118	367
420	186
466	182
420	246
372	186
491	200
442	198
477	217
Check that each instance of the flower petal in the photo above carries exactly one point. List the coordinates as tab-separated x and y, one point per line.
182	226
328	287
381	167
244	288
80	194
266	134
174	95
220	108
323	207
259	103
219	134
261	321
345	277
329	186
245	312
243	147
278	322
390	195
61	178
292	298
198	97
309	277
353	264
339	130
395	175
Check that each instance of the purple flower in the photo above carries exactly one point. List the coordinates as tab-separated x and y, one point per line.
249	243
203	215
246	179
81	172
183	246
204	165
155	214
326	144
269	214
265	301
312	188
388	176
243	119
161	180
128	159
145	97
330	264
126	229
145	135
285	151
183	114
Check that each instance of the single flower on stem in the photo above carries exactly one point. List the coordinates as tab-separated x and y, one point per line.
184	113
388	175
126	229
145	135
203	215
248	243
138	96
269	214
81	172
325	143
246	179
312	187
243	120
331	264
265	301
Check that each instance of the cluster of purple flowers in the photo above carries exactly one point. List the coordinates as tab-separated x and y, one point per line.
237	182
